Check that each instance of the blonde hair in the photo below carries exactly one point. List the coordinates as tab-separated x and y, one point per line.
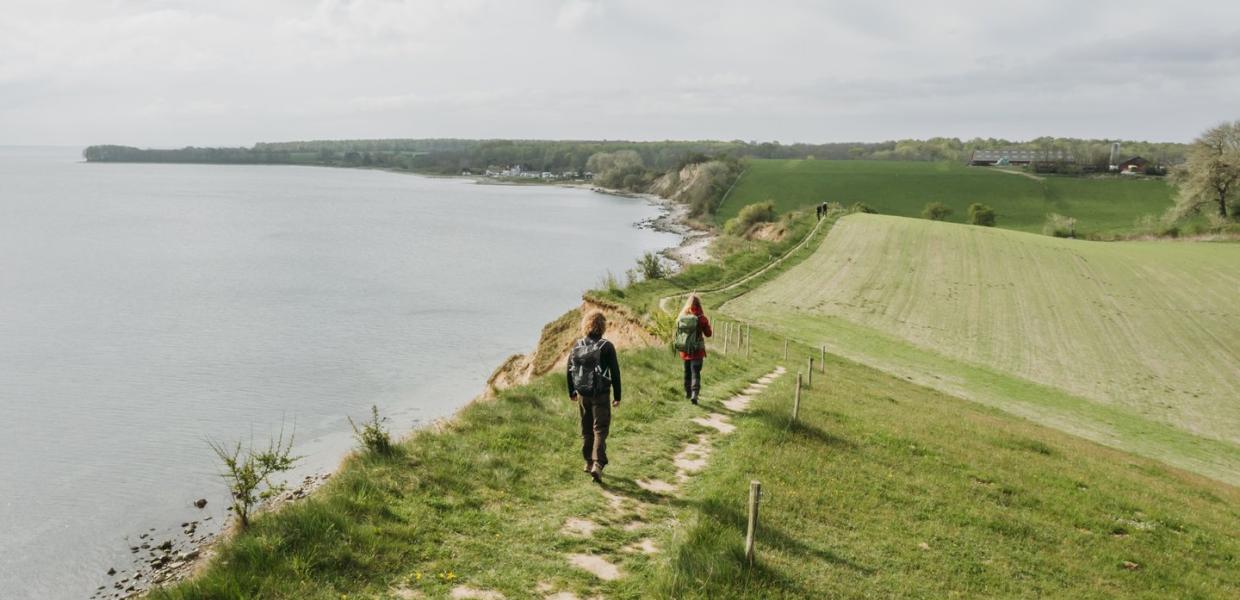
690	302
594	323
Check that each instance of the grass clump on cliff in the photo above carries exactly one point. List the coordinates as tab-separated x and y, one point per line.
758	212
371	435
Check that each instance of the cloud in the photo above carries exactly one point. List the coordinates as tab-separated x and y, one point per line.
573	13
171	72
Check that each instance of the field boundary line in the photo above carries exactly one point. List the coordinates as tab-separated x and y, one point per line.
751	275
731	187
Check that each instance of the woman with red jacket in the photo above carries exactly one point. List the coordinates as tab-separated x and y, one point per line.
693	361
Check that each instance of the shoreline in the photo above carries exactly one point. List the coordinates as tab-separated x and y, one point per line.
695	240
186	551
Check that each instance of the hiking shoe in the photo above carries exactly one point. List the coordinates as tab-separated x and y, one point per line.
586	469
597	473
694	398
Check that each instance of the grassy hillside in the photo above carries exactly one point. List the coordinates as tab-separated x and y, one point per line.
1106	205
884	489
1132	344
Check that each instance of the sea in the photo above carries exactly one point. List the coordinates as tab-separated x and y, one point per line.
149	309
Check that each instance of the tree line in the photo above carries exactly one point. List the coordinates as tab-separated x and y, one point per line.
457	155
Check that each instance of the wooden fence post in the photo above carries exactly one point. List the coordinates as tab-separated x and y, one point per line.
809	371
727	332
785	348
824	359
755	496
748	340
796	400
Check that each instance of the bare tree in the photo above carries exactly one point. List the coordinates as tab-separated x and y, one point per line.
1211	174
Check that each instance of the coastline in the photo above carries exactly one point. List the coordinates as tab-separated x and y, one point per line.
695	240
184	552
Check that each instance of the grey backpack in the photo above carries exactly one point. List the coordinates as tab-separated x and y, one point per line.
586	367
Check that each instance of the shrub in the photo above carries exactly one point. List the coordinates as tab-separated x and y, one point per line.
662	324
611	284
861	207
980	214
936	211
622	169
758	212
371	435
651	266
835	209
1059	226
1164	227
248	472
714	180
630	277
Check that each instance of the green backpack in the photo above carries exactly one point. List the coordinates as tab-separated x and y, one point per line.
688	338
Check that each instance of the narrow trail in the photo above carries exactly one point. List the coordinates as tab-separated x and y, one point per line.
631	510
663	302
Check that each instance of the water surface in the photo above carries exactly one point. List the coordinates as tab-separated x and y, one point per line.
147	308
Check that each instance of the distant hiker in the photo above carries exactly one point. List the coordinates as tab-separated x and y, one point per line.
593	376
692	329
818	211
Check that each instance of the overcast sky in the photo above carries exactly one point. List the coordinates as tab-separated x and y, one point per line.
234	72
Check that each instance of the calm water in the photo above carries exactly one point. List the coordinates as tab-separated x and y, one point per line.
147	308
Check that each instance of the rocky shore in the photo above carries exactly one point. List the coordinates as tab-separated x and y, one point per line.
695	242
177	553
694	247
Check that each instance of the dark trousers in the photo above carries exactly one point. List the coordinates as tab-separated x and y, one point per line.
693	376
595	423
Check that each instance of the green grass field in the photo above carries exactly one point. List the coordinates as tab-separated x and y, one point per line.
887	489
1101	205
1133	344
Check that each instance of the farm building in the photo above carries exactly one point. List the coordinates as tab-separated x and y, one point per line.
1017	156
1132	165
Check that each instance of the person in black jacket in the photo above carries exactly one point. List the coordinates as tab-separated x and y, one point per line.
593	379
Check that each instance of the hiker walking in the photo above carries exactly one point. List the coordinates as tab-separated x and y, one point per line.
692	329
593	380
